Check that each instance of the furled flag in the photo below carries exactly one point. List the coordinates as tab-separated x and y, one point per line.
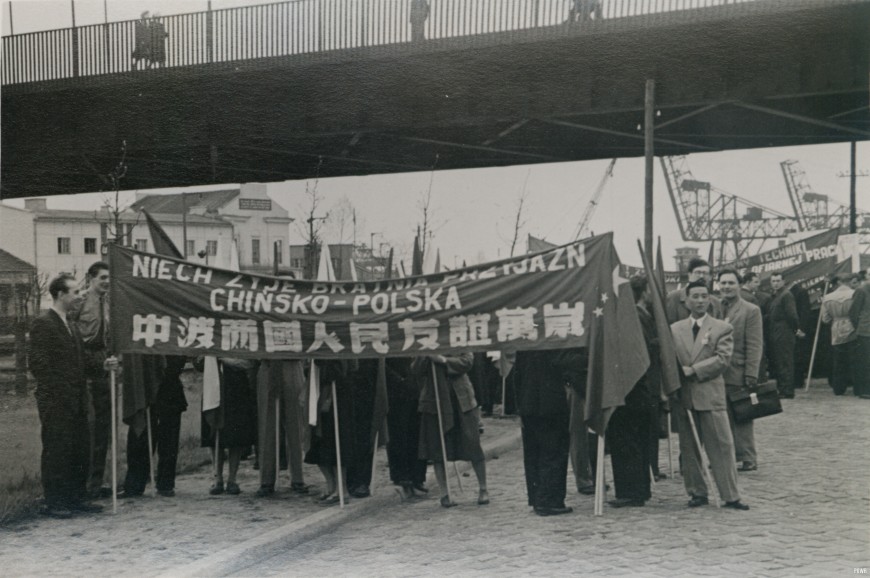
667	350
617	353
325	272
417	258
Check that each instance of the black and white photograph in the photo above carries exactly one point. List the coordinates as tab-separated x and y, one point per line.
402	288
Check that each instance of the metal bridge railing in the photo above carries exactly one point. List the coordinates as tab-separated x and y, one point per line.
290	28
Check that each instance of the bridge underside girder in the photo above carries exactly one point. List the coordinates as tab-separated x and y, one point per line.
789	74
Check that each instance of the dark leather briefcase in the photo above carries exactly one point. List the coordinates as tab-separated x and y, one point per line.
752	403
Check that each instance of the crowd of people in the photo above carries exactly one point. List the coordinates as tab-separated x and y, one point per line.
724	343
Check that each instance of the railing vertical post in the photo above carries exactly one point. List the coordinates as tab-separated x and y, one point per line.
75	40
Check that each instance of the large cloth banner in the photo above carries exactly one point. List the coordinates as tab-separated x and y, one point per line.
807	262
165	305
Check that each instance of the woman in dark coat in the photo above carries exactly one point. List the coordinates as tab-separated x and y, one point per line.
239	416
461	417
324	451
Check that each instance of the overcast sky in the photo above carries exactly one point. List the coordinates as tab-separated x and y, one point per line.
474	210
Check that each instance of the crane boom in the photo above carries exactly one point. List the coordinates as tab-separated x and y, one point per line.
583	227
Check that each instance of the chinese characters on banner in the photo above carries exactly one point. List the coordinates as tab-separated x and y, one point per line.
541	301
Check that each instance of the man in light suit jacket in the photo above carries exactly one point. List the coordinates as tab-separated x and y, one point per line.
743	371
704	346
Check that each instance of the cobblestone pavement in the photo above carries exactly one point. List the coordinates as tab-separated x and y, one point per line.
809	517
810	504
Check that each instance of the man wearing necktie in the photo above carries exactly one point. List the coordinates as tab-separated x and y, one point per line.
56	362
704	347
91	320
743	371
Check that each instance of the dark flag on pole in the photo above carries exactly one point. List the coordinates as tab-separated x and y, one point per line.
667	351
711	255
660	271
417	258
617	353
163	245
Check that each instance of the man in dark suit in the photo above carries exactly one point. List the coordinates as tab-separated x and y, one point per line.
804	338
784	330
62	401
745	318
629	430
753	293
542	381
704	347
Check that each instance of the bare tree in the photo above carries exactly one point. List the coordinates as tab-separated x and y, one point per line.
429	225
314	221
111	211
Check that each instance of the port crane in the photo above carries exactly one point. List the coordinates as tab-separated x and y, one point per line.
815	211
705	213
583	227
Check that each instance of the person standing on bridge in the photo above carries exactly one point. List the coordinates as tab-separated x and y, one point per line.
418	17
142	50
158	42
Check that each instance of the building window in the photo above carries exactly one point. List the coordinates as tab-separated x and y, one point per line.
191	248
255	251
142	244
63	245
90	246
279	252
211	248
296	263
336	265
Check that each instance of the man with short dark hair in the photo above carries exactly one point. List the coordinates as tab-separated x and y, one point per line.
55	356
745	319
753	293
859	315
784	330
676	307
704	347
91	318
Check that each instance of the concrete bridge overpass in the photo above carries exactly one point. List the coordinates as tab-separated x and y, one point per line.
337	87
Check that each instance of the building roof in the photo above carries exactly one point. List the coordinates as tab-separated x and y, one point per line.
11	263
211	201
126	216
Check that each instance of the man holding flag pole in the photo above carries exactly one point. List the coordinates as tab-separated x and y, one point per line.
704	346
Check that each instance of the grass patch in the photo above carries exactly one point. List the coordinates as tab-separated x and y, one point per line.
19	499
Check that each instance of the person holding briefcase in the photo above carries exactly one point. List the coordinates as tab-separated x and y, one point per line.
742	372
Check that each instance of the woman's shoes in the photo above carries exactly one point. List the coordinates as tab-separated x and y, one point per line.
330	500
483	498
216	488
446	502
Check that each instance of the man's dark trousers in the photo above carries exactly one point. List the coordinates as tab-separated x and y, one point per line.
101	401
166	429
546	441
629	433
65	453
403	423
